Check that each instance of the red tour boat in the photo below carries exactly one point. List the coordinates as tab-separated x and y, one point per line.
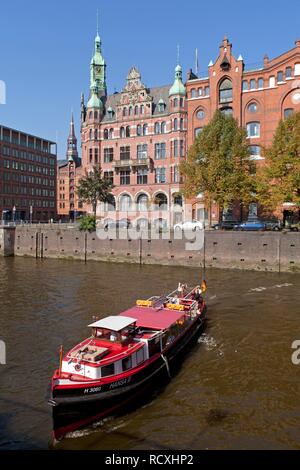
123	356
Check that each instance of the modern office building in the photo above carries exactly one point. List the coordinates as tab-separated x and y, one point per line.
27	177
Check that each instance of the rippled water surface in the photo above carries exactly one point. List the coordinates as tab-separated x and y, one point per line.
237	388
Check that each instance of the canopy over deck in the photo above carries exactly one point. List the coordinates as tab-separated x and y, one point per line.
114	322
153	318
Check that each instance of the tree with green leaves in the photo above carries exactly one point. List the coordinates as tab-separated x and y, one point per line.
218	164
93	188
279	181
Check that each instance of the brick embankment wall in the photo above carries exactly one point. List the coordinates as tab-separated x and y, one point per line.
263	251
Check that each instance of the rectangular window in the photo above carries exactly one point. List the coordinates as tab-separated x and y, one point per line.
126	363
125	153
198	130
252	84
124	177
160	151
176	146
107	370
160	175
260	83
142	151
142	176
181	151
207	91
245	85
253	129
109	175
108	155
91	155
176	174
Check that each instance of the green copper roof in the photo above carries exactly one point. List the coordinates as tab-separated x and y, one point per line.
94	101
178	87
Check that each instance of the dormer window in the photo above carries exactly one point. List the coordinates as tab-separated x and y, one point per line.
225	64
161	106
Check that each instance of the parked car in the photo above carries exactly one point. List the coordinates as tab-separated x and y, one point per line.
255	225
295	227
273	225
189	225
117	224
225	225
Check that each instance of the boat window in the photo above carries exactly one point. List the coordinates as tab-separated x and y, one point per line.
140	356
127	363
108	370
154	346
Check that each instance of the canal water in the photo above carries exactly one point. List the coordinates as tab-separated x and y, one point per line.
237	388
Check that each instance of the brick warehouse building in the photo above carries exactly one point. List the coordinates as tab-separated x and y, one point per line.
69	172
27	177
258	98
139	136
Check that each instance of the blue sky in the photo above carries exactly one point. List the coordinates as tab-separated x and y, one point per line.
46	48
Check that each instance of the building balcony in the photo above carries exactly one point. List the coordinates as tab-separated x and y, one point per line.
137	162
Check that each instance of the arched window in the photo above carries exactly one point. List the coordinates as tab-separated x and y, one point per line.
130	111
136	110
175	124
96	134
193	93
122	132
90	114
178	200
271	82
96	115
227	111
161	201
200	92
105	134
142	109
145	129
287	112
225	91
111	133
157	128
288	72
181	124
127	131
138	129
163	127
175	102
124	111
91	134
125	203
297	69
142	202
181	102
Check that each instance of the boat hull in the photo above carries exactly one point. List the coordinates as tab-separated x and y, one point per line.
75	408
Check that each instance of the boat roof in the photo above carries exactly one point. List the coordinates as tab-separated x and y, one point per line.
113	322
157	319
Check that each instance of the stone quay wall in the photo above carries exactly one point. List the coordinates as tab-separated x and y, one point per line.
261	251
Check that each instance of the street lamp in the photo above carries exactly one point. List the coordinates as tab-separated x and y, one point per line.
14	214
31	212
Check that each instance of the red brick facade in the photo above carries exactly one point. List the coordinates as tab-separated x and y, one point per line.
258	98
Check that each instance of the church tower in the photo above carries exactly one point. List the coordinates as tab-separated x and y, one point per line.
72	152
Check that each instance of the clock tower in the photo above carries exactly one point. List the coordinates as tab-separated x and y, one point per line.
97	69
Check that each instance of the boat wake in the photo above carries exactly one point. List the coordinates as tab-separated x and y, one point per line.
276	286
210	343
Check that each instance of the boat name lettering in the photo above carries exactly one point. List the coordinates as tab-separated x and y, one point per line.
120	382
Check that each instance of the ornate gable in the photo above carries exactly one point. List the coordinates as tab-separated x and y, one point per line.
134	92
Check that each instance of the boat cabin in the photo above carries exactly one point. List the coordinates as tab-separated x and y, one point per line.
115	329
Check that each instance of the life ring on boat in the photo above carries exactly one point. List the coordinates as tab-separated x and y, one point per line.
77	367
